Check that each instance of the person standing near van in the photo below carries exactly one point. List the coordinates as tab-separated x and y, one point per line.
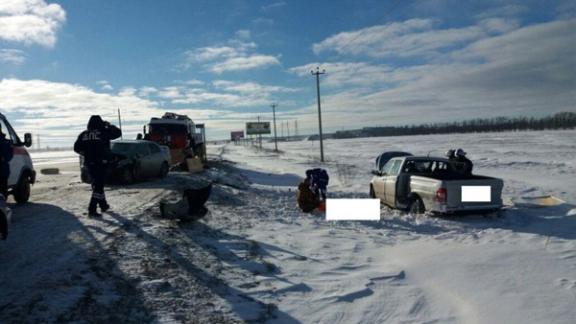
94	145
6	154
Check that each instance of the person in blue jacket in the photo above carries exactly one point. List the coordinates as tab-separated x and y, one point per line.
94	145
6	154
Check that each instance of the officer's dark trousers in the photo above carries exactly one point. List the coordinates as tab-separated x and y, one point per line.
97	174
4	186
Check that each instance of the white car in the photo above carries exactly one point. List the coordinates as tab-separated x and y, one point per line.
22	174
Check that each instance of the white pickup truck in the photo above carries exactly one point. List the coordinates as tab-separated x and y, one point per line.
22	174
420	184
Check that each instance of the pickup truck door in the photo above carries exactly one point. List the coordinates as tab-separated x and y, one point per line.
390	184
380	181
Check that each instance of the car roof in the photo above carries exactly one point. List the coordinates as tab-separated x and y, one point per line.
134	142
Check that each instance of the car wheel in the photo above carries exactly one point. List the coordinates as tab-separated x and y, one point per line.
164	170
416	206
22	190
372	193
128	175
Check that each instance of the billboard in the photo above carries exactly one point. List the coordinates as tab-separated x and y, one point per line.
257	128
234	136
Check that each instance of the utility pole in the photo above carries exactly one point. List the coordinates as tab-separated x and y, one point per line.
274	105
317	74
259	136
38	141
282	129
288	128
120	124
296	128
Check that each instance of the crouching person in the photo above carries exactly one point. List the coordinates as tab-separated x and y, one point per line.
94	145
308	200
312	191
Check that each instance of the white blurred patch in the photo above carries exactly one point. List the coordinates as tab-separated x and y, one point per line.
352	209
476	194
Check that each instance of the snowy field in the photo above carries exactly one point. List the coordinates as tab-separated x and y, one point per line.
53	157
257	258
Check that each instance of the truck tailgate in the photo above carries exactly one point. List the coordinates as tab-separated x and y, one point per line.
469	194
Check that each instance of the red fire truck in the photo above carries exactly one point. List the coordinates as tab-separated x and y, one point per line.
184	138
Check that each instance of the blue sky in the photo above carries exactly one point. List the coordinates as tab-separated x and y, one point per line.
387	62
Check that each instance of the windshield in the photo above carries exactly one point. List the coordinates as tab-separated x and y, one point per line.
167	129
128	149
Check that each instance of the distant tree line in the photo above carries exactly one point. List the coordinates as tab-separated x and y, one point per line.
563	120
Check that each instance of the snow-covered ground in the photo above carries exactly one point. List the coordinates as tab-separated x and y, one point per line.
53	157
257	258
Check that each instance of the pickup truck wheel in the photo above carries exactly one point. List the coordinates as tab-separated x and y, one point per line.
416	206
372	194
22	190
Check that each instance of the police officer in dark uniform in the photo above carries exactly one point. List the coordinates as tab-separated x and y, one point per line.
6	154
94	145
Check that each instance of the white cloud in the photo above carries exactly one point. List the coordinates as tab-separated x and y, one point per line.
347	73
193	82
244	63
105	85
127	92
273	6
526	71
12	56
250	87
30	21
236	55
171	92
410	38
210	53
222	100
147	91
59	111
498	25
243	34
235	48
263	22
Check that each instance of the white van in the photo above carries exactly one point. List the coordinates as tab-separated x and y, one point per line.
22	174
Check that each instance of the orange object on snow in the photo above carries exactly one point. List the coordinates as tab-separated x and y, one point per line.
322	206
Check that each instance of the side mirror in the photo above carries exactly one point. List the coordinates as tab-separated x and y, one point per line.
376	173
27	139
